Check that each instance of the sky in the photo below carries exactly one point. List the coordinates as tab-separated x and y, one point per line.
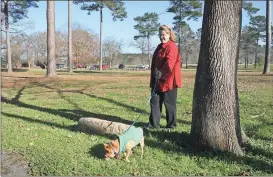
120	30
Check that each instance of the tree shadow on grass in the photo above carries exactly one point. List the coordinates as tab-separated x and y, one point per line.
73	114
96	151
47	123
60	92
259	152
174	141
165	140
181	142
254	132
185	122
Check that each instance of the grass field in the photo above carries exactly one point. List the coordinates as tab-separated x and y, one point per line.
39	121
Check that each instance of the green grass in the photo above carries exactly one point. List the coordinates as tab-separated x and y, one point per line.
39	118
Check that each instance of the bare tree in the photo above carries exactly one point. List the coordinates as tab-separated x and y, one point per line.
112	49
39	45
19	47
188	42
268	38
116	8
85	46
248	44
215	112
6	12
69	36
51	60
61	47
257	24
17	10
141	44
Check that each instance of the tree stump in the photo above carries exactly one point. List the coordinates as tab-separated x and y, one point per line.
101	127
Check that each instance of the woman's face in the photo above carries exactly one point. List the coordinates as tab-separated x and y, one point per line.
163	36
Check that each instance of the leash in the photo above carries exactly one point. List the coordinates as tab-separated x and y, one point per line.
152	94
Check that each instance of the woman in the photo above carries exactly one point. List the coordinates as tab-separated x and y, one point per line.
165	79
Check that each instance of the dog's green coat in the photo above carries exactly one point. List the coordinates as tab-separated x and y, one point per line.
132	133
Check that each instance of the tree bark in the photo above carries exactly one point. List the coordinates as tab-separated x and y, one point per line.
179	33
6	9
149	57
215	113
268	38
69	36
100	38
256	51
247	60
186	55
51	54
255	61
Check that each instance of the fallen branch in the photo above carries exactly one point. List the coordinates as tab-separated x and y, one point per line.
102	127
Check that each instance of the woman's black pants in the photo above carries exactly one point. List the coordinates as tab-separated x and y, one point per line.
169	99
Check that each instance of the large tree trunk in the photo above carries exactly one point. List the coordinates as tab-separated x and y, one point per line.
179	33
101	38
255	61
51	60
186	55
149	51
33	59
246	59
6	9
256	51
142	56
215	113
69	36
268	38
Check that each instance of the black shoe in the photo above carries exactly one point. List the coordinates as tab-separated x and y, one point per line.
150	127
172	126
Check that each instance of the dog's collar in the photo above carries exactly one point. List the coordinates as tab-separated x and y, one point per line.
115	150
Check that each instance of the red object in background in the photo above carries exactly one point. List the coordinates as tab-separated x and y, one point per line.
80	66
104	66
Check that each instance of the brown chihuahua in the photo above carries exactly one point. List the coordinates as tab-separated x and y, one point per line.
124	143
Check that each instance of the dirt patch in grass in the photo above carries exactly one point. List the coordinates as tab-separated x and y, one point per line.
13	164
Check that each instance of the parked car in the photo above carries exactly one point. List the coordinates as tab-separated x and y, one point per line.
121	66
80	66
42	65
105	66
58	66
144	67
97	67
